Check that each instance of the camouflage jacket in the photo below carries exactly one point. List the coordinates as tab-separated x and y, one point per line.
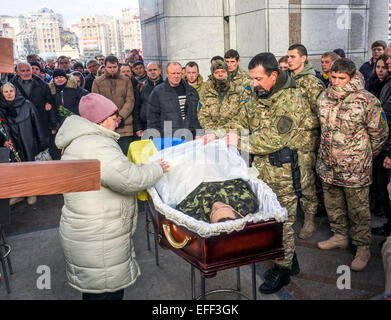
273	123
353	129
199	85
215	113
310	87
240	79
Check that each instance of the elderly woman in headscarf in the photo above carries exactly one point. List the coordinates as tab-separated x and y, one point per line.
20	129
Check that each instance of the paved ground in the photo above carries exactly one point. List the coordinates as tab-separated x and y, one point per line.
33	235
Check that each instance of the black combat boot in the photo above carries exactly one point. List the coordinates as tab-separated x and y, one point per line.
275	279
295	266
384	230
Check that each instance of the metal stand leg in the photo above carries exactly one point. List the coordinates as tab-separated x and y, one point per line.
156	248
192	276
8	257
254	281
238	278
147	221
5	250
202	288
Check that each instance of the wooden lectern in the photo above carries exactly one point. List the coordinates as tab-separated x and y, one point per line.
24	179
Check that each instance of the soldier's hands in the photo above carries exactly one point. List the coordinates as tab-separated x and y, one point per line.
387	163
232	139
48	106
207	138
164	165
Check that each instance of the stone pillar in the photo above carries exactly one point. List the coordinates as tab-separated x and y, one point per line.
377	23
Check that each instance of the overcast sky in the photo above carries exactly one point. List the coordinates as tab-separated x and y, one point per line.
70	9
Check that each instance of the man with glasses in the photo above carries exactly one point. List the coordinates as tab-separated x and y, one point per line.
64	64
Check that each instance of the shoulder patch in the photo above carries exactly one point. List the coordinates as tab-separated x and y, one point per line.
248	89
320	84
383	119
284	124
199	106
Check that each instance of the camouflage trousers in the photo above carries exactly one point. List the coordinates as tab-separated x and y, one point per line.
349	207
309	199
289	202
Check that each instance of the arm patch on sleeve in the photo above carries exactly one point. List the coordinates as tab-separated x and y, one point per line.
383	120
284	125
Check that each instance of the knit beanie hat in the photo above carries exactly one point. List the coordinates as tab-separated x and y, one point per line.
96	108
59	73
36	64
218	65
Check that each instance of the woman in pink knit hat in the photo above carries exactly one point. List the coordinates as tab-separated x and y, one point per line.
96	227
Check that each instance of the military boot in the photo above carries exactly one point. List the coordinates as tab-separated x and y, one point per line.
308	229
275	279
336	241
361	259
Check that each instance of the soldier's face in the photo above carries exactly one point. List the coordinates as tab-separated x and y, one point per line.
153	71
295	61
232	64
381	70
326	62
25	72
261	81
174	74
191	74
377	52
339	79
220	74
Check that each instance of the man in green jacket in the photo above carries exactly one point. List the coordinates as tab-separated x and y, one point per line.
310	87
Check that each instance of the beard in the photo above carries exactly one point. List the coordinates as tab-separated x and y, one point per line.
261	92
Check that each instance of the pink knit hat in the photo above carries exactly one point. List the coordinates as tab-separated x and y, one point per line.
96	107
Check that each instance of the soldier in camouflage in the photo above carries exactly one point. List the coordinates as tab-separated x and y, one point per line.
274	118
221	100
310	87
238	76
353	130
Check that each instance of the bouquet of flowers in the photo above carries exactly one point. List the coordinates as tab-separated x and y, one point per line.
10	146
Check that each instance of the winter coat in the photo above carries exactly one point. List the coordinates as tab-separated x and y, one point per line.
89	79
163	105
142	93
96	226
367	69
39	96
385	100
22	125
353	130
118	89
69	98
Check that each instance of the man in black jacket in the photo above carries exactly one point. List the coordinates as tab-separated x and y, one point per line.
385	156
92	66
176	102
142	93
37	91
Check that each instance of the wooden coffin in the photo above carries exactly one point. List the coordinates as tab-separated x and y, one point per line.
256	242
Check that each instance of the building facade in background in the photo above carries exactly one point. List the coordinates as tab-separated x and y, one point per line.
131	29
184	30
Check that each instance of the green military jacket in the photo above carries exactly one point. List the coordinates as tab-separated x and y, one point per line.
215	112
240	80
353	129
199	85
310	88
273	123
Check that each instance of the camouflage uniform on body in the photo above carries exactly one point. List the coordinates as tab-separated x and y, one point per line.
240	80
236	193
353	129
216	111
310	87
199	85
275	122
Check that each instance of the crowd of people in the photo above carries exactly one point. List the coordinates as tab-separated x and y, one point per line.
320	140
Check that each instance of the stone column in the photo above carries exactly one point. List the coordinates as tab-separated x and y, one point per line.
377	23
